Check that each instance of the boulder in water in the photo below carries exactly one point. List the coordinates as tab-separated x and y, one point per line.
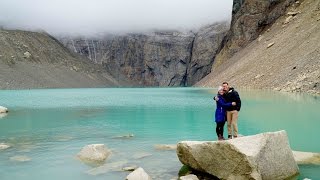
138	174
95	153
3	109
262	156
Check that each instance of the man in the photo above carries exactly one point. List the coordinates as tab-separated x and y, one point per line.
232	95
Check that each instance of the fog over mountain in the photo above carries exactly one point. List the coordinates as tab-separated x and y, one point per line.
92	17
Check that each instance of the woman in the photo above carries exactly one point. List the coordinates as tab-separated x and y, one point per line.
220	115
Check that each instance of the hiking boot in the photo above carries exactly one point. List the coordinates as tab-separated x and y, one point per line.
229	136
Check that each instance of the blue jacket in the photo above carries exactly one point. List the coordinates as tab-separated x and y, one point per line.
221	109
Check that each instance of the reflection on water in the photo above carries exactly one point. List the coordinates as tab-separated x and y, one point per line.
51	126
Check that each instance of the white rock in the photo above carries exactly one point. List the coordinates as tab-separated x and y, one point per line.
20	158
4	146
27	55
288	19
262	156
3	109
306	157
94	153
270	45
138	174
189	177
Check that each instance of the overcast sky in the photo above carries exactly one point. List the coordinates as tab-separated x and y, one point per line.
89	17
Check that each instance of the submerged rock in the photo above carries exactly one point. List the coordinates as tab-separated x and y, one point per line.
114	166
20	158
129	168
262	156
306	157
141	155
189	177
165	146
94	153
138	174
128	136
3	109
4	146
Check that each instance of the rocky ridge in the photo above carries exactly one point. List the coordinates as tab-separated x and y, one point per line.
37	60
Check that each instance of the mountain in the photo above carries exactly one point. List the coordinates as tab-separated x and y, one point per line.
162	58
283	55
37	60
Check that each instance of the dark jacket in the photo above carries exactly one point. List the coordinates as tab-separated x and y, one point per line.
233	96
221	109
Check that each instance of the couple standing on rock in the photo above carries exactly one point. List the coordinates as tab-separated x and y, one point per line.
228	106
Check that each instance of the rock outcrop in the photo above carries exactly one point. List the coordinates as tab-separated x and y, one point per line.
249	19
94	153
163	58
262	156
138	174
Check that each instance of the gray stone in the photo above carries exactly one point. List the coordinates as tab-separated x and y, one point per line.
138	174
94	153
262	156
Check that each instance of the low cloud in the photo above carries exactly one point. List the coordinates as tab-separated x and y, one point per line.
91	17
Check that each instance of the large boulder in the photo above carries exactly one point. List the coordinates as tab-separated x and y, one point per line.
95	153
262	156
138	174
3	109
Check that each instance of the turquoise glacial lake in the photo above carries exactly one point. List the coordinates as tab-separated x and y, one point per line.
51	126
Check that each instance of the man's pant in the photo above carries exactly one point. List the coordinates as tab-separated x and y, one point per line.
232	118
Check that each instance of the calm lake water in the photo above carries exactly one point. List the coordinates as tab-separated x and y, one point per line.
51	127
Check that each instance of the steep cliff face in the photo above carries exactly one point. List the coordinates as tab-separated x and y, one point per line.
37	60
166	58
285	57
250	18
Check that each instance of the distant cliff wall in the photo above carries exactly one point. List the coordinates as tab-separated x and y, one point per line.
164	58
